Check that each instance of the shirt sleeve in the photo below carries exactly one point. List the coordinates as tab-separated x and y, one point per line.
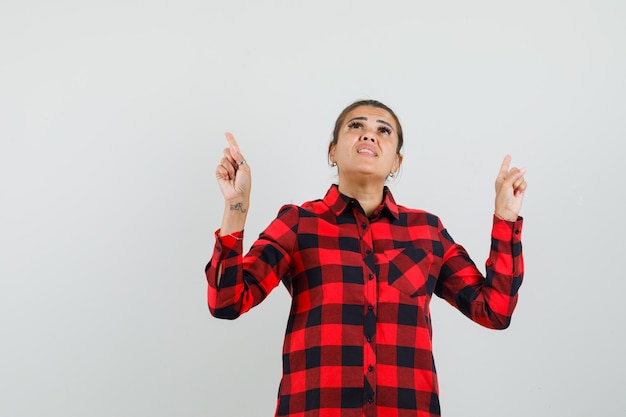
245	281
486	299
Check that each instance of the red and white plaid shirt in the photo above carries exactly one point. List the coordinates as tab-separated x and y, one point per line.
359	340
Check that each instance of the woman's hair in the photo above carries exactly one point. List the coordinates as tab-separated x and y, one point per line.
371	103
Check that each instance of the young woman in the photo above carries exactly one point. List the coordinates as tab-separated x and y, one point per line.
361	271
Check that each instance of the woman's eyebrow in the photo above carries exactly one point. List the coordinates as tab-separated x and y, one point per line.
385	123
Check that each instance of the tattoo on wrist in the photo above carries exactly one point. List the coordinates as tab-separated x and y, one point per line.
238	207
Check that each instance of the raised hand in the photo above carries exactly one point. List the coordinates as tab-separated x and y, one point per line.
233	175
510	188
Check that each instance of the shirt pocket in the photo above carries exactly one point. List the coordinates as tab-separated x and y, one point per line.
408	270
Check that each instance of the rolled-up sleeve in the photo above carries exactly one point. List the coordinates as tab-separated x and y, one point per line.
488	299
236	283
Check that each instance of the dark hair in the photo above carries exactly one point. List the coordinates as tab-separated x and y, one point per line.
371	103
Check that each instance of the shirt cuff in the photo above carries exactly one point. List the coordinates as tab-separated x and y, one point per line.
508	231
226	245
230	240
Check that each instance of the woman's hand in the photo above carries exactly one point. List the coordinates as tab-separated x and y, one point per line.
510	188
233	175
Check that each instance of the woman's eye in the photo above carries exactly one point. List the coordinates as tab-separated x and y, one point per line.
355	125
384	130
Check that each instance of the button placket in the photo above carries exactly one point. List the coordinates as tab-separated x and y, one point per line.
369	311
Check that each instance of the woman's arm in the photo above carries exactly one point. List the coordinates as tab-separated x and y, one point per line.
234	179
247	280
490	299
236	282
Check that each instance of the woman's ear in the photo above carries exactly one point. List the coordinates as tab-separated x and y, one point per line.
331	153
397	163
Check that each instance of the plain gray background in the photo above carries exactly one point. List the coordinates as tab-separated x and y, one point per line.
112	116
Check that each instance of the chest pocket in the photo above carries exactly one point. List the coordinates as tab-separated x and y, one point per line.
408	270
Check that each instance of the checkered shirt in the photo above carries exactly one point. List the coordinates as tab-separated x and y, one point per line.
359	340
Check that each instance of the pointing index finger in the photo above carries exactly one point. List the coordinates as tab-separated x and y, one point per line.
234	147
504	168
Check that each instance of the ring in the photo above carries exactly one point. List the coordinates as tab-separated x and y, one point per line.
241	163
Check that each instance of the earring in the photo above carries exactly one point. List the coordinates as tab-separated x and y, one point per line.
334	164
392	174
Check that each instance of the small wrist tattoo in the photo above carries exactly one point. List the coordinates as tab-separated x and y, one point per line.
238	207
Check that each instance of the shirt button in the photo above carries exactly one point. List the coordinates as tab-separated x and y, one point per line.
370	368
218	249
363	225
368	252
517	232
369	338
370	308
371	276
370	400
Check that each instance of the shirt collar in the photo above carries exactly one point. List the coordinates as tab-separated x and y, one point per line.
338	202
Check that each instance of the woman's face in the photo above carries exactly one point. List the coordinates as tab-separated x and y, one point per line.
367	144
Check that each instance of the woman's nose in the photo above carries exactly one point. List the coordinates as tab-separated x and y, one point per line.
368	136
